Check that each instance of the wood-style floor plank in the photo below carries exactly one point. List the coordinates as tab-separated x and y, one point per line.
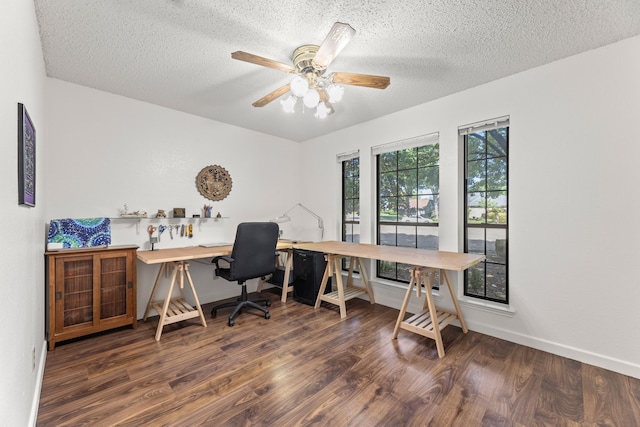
307	367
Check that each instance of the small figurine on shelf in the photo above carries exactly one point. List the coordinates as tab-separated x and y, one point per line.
161	214
207	211
136	214
219	215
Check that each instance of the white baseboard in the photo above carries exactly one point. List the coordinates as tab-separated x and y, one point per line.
35	401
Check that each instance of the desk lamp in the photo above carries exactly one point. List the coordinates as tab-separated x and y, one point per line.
286	218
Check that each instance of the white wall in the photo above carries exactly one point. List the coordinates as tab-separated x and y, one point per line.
574	226
21	261
107	150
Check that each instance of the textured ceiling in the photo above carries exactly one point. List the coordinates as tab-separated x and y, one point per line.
177	53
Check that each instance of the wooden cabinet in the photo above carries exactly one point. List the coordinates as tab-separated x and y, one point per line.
90	290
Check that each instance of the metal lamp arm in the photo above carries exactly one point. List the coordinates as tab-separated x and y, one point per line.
310	212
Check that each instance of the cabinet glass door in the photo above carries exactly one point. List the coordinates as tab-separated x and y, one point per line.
113	289
77	291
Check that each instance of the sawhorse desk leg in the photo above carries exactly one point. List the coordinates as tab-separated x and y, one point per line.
431	320
172	310
343	293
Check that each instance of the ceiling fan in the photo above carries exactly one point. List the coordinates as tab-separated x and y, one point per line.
310	63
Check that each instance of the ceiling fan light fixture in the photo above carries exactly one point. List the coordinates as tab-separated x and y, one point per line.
299	86
335	92
289	104
311	98
322	110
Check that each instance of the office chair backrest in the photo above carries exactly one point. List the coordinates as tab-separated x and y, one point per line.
254	250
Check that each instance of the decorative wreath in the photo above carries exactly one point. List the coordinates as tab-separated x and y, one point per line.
214	182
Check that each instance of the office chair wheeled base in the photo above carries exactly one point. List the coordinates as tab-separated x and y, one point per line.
243	302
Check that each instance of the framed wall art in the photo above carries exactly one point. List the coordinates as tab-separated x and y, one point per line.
26	158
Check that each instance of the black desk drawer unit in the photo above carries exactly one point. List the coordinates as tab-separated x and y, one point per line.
308	269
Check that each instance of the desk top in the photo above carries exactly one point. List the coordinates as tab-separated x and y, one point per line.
192	252
412	256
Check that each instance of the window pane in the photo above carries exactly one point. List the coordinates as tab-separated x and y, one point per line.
388	184
475	147
476	175
496	208
348	210
475	280
388	161
496	281
407	182
387	270
356	209
388	235
406	236
428	238
350	187
476	208
497	142
404	272
388	209
497	174
429	155
407	159
476	241
429	180
431	210
497	245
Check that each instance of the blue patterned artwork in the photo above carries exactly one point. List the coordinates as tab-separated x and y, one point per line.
80	232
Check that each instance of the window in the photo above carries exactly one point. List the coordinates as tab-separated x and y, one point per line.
408	187
350	201
486	206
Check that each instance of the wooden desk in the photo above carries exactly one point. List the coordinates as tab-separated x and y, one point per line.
172	310
425	263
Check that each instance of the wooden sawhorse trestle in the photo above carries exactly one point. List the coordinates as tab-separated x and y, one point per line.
172	310
343	293
431	320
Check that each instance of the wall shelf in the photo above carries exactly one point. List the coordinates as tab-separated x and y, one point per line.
138	220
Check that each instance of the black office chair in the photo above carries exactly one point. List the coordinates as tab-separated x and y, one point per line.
253	256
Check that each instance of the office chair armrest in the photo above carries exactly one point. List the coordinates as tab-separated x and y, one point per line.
226	258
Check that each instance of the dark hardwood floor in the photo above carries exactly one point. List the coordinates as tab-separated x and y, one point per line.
307	367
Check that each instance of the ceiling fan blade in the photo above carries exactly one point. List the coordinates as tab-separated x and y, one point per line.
265	62
366	80
271	96
336	40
